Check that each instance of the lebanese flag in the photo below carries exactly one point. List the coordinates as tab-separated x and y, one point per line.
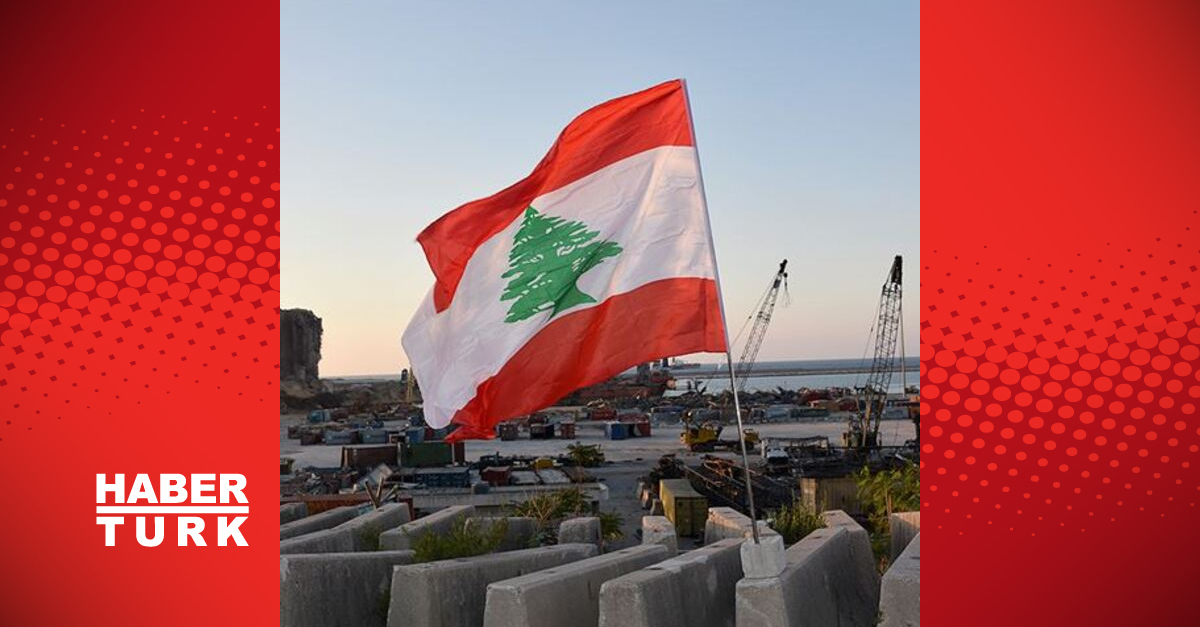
601	259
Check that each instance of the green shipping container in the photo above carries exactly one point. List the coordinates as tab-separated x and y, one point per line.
427	455
683	506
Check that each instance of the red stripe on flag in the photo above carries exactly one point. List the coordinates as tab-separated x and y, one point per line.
600	137
660	319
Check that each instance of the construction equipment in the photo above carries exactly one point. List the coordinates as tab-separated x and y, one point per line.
759	331
706	435
863	434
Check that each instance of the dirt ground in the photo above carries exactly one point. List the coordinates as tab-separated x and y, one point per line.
665	439
628	459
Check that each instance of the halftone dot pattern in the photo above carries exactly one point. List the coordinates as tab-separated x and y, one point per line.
1060	397
126	271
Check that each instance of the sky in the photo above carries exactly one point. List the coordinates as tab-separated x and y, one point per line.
807	120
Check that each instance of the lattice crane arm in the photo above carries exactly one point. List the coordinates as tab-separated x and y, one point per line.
865	431
759	331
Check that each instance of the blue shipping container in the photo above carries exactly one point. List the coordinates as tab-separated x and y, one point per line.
617	430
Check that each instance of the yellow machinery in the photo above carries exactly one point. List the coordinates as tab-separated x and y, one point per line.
706	436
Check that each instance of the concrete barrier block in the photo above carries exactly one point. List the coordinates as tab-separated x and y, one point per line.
324	541
453	593
858	600
725	522
289	512
659	530
441	521
904	527
580	530
763	559
565	595
360	533
519	532
900	593
695	589
327	519
336	589
829	579
366	529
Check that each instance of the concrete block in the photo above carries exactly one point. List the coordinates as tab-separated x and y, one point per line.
725	522
659	530
900	593
764	559
580	530
441	521
289	512
764	530
360	533
324	541
337	589
829	579
695	589
904	527
453	593
519	532
327	519
366	529
565	595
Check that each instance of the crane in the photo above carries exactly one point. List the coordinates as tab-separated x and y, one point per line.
863	434
759	330
706	436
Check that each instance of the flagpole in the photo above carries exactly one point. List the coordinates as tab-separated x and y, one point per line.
737	407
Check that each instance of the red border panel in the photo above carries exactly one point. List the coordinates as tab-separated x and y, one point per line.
139	278
1059	298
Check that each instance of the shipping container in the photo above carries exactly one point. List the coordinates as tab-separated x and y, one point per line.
362	457
683	506
602	413
443	477
346	436
566	430
825	493
426	454
374	436
616	430
508	431
642	429
498	476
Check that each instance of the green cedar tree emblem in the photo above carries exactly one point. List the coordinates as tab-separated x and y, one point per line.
548	256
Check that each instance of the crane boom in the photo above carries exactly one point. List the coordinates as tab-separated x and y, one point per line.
864	426
759	330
